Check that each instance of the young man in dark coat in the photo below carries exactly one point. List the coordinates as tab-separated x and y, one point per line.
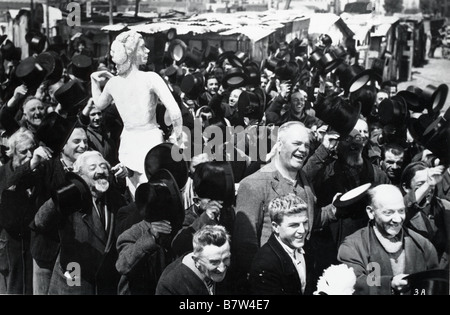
281	266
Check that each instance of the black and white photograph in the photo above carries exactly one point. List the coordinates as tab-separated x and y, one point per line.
235	149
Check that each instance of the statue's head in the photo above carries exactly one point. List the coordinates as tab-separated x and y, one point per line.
127	49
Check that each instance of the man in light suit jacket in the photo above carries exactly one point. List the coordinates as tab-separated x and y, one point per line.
281	266
85	213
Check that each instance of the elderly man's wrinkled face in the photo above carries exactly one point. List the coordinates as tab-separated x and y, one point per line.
294	148
393	164
297	103
34	112
95	172
76	145
95	118
214	261
23	153
234	97
388	213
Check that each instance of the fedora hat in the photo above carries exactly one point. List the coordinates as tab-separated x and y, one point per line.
72	96
270	63
430	282
160	199
177	50
231	57
160	157
393	111
436	138
287	71
253	73
73	195
215	180
352	78
36	41
53	65
235	78
339	114
55	130
11	52
417	127
194	57
193	85
352	202
81	67
31	73
212	53
435	97
413	97
251	104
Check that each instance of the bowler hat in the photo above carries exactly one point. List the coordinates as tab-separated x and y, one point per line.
55	130
352	78
31	73
194	57
435	97
214	180
339	114
393	111
429	282
73	195
270	63
353	202
177	50
193	85
287	71
251	104
160	157
413	98
11	52
234	78
160	199
36	41
52	63
81	67
72	96
437	138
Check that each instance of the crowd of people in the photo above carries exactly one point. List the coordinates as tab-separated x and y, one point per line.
93	201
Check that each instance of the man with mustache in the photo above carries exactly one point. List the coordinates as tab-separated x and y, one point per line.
397	250
331	176
282	176
281	266
87	232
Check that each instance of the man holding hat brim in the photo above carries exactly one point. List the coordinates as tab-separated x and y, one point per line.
84	208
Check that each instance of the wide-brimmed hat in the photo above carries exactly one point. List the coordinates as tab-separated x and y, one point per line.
160	199
352	202
81	67
339	114
160	157
352	78
393	111
36	41
52	63
73	195
31	73
235	78
55	130
429	282
214	180
252	104
193	85
72	96
177	50
435	97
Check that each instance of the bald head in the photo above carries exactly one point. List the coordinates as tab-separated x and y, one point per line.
384	195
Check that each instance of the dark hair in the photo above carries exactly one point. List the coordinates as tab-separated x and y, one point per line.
395	148
203	175
409	173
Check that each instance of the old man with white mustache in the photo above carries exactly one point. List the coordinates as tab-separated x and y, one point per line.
86	230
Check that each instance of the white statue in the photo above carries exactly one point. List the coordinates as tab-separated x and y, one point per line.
135	94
